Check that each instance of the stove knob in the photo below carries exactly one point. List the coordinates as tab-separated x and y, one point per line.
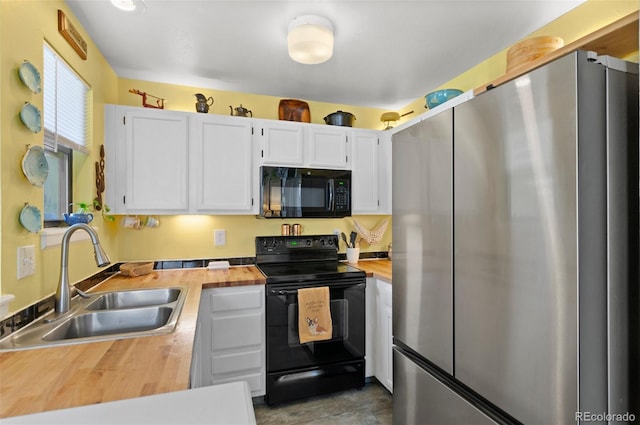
322	242
330	241
274	242
265	243
308	243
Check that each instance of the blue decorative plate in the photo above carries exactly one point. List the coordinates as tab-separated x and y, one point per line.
30	218
35	166
31	117
30	76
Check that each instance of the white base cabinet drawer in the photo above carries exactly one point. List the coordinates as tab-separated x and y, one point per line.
230	338
236	331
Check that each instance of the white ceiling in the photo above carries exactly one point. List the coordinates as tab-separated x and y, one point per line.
387	53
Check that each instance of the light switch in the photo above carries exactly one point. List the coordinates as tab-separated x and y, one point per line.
26	261
219	237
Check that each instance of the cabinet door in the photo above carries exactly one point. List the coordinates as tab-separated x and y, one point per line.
282	142
231	332
365	196
384	172
328	147
157	161
384	337
222	164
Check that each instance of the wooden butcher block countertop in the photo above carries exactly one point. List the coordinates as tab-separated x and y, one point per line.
42	379
380	269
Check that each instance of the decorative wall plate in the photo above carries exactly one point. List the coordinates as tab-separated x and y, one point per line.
31	117
35	166
30	218
30	76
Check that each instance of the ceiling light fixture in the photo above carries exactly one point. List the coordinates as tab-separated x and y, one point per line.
310	39
129	5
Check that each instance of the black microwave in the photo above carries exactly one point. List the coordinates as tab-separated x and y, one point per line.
305	193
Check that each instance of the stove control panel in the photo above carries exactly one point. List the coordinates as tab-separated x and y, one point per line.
288	244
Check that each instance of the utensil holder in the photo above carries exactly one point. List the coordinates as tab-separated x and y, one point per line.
353	254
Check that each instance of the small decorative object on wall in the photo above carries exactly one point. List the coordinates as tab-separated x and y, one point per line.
31	117
99	180
373	236
30	218
72	35
35	166
159	101
30	76
294	110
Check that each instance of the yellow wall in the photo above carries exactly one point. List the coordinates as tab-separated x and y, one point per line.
583	20
181	98
23	27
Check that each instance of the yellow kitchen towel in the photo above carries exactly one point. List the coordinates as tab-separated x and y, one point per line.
314	314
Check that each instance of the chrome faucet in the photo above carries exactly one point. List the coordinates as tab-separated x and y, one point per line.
63	293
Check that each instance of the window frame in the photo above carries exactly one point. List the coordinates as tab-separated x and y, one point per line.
56	143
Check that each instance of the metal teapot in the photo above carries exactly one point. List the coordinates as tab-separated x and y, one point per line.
240	111
202	104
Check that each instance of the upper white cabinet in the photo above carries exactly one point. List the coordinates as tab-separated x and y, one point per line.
282	142
167	162
371	172
221	162
147	160
296	144
328	147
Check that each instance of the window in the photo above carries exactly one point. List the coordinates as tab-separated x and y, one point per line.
66	105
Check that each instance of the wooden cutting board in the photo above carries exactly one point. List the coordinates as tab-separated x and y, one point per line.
294	110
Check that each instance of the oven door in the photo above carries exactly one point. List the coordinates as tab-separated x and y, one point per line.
347	304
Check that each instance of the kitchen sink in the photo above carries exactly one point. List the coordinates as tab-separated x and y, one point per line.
104	316
110	323
136	298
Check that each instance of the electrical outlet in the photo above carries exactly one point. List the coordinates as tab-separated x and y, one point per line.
26	261
219	237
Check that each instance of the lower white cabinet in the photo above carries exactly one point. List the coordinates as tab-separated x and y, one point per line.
371	322
230	338
383	336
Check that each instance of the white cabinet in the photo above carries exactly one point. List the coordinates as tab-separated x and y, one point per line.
282	142
147	160
371	178
222	165
230	335
288	143
167	162
328	147
384	173
371	322
384	336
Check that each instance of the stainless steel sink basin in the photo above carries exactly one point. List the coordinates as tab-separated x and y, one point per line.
113	322
136	298
104	316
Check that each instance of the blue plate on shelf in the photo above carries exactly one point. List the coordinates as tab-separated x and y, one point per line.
30	218
31	117
35	166
30	76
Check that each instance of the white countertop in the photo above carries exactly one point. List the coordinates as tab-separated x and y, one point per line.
226	404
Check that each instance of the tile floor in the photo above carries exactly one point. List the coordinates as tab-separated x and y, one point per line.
369	406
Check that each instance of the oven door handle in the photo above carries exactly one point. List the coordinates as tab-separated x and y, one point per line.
295	291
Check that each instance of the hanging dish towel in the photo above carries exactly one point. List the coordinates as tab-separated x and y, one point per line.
314	315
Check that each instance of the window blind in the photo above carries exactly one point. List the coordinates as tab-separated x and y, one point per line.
66	105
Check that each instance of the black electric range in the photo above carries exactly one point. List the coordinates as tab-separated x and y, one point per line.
297	370
284	259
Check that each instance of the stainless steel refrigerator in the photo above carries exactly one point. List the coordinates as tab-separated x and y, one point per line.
515	252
